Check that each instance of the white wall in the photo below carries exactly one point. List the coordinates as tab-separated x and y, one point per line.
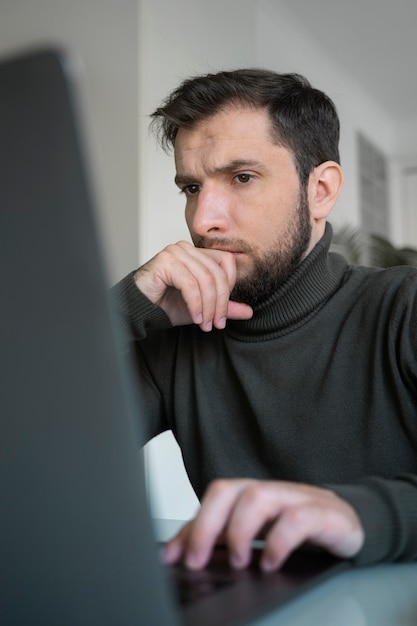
104	33
181	38
403	190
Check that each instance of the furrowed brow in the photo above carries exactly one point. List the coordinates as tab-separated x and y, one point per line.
228	168
183	181
237	164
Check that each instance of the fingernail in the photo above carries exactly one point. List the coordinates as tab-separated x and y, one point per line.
267	565
237	561
193	560
169	554
222	322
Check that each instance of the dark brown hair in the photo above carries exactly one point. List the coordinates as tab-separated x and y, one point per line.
304	119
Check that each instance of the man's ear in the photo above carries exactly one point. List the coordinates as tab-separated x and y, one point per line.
324	186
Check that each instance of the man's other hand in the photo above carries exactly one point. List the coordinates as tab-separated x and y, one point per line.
236	511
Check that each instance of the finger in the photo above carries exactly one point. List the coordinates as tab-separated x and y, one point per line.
337	529
208	527
192	285
203	278
173	550
192	278
293	527
239	311
168	281
215	271
255	507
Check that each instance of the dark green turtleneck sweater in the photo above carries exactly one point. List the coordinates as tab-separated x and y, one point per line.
320	386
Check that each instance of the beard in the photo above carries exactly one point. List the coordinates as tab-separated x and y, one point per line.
271	269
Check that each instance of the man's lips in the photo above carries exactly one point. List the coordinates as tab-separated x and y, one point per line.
236	248
229	249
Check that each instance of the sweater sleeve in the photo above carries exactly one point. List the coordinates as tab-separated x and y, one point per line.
134	316
388	507
388	512
135	313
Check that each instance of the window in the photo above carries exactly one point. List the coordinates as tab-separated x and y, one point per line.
409	180
373	189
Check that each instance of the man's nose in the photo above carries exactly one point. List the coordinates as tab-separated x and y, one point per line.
209	213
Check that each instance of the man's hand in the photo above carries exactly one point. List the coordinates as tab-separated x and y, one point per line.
192	285
234	512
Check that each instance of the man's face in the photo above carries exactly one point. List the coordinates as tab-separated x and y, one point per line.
243	195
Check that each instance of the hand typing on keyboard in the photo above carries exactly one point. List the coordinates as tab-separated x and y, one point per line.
236	511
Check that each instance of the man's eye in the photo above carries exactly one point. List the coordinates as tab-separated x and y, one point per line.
243	178
190	190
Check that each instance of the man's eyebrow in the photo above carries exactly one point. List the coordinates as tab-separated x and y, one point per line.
237	164
228	168
183	181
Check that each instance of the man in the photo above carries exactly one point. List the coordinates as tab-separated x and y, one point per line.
288	378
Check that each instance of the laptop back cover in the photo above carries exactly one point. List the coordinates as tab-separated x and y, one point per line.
75	538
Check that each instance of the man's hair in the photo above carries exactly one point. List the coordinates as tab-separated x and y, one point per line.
304	119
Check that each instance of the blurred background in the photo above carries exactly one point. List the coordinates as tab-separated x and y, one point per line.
102	38
133	52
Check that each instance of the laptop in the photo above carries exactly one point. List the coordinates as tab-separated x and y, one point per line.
77	544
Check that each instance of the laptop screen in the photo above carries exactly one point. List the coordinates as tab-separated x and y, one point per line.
76	540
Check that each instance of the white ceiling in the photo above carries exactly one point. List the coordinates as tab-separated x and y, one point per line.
373	40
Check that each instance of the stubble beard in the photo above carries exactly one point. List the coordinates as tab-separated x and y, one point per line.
273	268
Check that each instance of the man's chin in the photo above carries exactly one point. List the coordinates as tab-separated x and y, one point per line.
243	279
244	290
244	266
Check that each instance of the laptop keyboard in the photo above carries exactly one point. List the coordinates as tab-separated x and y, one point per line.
301	567
191	586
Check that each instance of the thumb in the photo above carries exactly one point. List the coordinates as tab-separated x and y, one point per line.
239	311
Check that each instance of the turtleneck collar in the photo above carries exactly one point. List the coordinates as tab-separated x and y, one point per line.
312	283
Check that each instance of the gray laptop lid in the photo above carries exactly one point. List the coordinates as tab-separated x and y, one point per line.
75	539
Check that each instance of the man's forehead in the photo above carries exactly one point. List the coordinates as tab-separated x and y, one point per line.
229	123
235	134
